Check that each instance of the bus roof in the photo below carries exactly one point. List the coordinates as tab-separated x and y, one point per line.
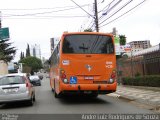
93	33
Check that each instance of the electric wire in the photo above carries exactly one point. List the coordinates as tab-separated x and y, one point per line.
8	9
123	13
83	9
40	13
44	17
107	11
116	11
106	6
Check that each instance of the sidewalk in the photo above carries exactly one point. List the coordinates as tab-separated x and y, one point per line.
144	95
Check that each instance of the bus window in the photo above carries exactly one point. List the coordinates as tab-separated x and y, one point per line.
88	44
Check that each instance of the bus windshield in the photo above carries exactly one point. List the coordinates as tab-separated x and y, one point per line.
88	44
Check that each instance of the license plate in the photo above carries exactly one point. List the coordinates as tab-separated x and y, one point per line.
88	77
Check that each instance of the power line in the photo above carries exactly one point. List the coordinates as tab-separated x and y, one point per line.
107	11
29	14
90	24
117	11
8	9
45	17
112	7
107	6
123	13
82	9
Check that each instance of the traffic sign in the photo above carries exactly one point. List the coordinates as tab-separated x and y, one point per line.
4	33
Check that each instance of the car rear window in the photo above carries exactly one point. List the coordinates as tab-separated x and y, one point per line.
12	80
34	77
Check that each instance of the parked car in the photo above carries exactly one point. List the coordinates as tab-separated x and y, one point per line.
16	87
35	80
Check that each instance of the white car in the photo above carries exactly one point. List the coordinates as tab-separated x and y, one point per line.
35	80
16	87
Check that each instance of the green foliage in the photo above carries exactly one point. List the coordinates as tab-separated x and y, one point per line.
150	80
7	52
88	30
122	39
34	63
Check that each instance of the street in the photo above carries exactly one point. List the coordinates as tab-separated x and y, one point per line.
47	104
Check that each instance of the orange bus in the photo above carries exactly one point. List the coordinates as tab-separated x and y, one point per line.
83	62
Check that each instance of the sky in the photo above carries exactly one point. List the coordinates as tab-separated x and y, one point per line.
36	21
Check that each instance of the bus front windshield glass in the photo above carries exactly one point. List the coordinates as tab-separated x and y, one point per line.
88	44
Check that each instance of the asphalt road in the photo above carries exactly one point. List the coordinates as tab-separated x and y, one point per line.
47	104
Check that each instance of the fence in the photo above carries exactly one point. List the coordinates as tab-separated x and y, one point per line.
147	63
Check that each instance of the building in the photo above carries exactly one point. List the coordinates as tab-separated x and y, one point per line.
139	45
35	51
114	31
53	43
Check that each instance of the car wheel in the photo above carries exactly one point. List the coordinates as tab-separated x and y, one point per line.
31	101
34	98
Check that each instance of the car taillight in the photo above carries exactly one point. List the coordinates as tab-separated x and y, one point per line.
63	77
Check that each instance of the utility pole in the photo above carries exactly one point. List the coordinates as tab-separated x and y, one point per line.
96	16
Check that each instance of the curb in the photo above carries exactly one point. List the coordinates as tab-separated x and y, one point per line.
141	87
151	106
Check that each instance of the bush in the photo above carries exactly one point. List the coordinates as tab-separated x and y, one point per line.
150	81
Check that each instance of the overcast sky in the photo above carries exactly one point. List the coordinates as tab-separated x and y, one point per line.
36	21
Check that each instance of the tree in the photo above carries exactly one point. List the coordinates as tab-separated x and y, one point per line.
88	30
7	52
34	63
28	51
122	39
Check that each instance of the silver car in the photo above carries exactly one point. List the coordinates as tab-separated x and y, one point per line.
35	80
16	87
